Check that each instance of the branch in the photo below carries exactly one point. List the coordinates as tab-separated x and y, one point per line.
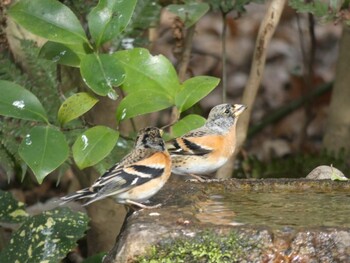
224	57
266	30
186	54
183	66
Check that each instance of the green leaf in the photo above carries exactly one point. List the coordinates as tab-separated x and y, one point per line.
142	102
109	18
11	211
49	19
94	145
318	8
44	149
75	106
46	237
156	73
59	53
189	13
17	102
123	148
186	124
102	72
194	90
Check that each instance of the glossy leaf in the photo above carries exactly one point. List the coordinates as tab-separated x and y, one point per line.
142	102
144	71
46	237
189	13
75	106
59	53
186	124
109	18
49	19
17	102
11	211
101	73
94	145
44	149
123	148
194	90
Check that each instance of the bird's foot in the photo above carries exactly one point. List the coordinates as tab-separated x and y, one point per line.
142	206
203	179
197	178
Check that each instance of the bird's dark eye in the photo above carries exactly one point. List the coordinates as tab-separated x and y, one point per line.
227	111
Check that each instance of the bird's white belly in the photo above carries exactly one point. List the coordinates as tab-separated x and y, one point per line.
198	167
143	192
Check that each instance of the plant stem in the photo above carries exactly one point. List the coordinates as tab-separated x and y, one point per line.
186	53
132	121
183	66
224	58
266	30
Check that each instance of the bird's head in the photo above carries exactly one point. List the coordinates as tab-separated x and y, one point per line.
150	137
223	116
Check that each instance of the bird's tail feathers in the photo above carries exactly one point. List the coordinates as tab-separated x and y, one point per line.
81	194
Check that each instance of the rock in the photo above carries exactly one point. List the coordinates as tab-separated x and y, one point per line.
324	172
240	221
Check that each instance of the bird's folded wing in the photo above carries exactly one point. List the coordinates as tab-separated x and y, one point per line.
134	157
188	146
124	178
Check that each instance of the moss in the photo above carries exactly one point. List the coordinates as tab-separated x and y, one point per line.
204	247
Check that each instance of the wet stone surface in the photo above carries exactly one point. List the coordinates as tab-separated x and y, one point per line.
261	220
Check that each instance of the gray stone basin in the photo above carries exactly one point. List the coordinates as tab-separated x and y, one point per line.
270	220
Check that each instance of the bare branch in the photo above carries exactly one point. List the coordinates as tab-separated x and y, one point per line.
266	30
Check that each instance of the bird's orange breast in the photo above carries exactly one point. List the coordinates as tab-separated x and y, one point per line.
158	159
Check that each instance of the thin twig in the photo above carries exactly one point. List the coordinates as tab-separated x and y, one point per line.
266	30
301	41
313	43
59	82
131	119
308	79
84	177
224	57
183	65
186	54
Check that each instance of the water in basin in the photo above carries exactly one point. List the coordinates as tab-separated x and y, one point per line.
277	209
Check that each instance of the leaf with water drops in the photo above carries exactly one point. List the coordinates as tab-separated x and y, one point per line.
46	237
44	149
102	72
75	106
49	19
109	18
142	102
189	13
186	124
94	145
195	89
123	147
59	53
11	211
17	102
156	73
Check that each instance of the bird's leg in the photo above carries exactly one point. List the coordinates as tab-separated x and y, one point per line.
197	178
130	202
202	179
